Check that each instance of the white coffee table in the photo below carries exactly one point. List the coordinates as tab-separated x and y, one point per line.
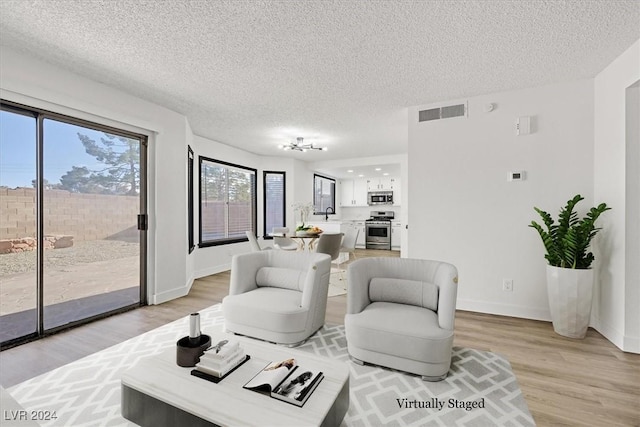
158	392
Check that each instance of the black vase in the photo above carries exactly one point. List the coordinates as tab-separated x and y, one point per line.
188	353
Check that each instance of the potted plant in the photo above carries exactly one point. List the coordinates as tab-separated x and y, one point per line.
304	209
569	273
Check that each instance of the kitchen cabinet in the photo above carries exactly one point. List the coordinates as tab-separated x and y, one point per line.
359	225
384	183
344	227
329	227
396	235
353	192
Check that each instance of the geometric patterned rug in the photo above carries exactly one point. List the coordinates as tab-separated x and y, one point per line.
87	392
337	282
382	396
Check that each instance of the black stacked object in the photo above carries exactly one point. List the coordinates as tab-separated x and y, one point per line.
190	348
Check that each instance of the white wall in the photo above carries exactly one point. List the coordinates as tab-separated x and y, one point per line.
214	259
616	179
299	180
171	270
38	84
463	209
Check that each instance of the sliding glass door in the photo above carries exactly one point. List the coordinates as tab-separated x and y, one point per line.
18	261
82	191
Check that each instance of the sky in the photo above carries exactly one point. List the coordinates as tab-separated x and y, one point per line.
62	149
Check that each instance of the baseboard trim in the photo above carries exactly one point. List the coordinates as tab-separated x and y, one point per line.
631	344
169	295
184	290
504	309
624	342
212	270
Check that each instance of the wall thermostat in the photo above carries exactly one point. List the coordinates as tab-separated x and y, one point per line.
523	125
516	176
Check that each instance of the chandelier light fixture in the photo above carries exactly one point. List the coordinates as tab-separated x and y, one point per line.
299	145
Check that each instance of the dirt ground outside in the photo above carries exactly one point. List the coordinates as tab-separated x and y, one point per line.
85	269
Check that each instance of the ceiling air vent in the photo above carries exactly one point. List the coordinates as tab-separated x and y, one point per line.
441	113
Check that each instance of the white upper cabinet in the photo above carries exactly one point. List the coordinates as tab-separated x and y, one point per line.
384	183
354	192
360	192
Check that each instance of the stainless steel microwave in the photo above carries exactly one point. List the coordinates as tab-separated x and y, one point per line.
380	198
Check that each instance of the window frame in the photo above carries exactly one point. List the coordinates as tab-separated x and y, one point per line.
227	240
40	115
333	202
265	234
190	189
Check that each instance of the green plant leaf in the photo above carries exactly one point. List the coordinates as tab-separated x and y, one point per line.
567	241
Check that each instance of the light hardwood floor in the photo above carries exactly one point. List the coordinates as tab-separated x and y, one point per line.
566	382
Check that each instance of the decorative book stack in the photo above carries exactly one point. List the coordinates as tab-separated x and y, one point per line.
221	358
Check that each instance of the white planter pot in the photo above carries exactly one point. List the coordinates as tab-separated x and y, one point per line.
570	296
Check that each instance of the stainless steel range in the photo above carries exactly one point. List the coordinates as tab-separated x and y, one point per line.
378	230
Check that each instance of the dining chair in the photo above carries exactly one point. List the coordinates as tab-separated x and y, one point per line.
330	244
349	242
255	246
348	246
282	242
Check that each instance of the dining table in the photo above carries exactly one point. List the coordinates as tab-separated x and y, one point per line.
305	241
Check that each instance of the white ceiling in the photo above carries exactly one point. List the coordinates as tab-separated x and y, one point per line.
254	74
365	171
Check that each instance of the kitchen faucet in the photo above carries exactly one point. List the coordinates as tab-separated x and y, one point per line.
326	213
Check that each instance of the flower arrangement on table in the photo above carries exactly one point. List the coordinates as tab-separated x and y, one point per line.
305	209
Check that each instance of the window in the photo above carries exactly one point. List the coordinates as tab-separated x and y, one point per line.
274	201
227	202
324	194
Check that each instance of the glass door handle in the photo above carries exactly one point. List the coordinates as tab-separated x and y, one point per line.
142	222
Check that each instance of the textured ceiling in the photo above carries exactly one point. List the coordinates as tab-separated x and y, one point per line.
254	74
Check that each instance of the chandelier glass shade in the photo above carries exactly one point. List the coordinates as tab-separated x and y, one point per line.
299	145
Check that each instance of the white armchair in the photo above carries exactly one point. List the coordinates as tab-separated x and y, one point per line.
277	296
400	314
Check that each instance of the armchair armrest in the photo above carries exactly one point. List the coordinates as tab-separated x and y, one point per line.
244	268
312	286
358	277
446	278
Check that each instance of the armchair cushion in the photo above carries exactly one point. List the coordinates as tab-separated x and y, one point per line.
285	278
276	308
402	291
408	332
